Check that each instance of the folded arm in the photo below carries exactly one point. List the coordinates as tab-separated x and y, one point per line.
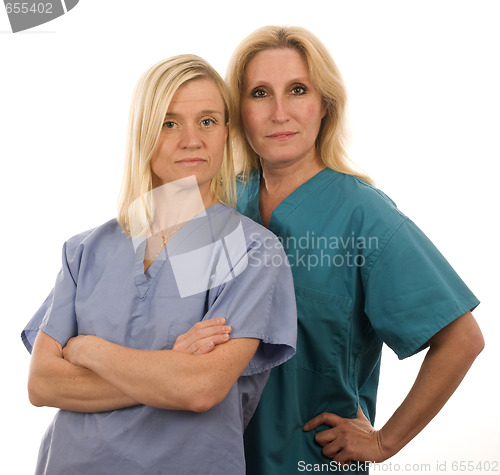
55	382
165	379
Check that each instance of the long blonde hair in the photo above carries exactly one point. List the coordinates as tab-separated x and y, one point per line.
150	101
326	78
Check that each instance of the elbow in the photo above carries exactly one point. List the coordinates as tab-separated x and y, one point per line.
470	347
41	392
35	395
204	401
194	399
207	395
473	342
476	345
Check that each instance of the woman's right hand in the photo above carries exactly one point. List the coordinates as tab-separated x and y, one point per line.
203	337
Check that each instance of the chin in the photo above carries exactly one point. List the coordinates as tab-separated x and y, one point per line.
280	160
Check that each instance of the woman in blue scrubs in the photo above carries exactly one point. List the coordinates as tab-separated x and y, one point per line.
134	396
364	274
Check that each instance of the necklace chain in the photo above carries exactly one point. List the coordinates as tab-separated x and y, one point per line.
166	238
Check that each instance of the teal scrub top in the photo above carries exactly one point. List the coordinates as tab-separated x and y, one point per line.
364	275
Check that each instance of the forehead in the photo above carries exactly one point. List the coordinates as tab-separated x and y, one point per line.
202	94
278	63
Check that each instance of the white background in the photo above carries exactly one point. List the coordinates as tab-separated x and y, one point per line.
423	83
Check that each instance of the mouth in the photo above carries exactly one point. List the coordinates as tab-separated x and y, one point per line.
282	135
190	161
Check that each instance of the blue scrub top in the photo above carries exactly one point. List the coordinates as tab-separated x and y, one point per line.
364	275
213	267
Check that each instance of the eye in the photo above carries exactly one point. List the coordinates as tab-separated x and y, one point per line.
207	122
299	89
169	124
258	92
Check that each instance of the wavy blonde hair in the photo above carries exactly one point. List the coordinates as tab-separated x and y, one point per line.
150	101
326	78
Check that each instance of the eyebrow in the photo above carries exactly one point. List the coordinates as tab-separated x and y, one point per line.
297	80
203	112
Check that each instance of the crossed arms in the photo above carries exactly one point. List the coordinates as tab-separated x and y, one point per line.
91	374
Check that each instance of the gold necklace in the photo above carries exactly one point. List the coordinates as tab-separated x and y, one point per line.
166	238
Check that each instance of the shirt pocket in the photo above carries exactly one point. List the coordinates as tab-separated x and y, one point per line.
323	331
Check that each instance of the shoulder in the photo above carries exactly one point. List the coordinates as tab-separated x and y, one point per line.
102	236
356	191
255	233
366	206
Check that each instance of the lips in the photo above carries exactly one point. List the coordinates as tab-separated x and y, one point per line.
190	161
282	135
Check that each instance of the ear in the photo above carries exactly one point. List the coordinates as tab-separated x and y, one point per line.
324	110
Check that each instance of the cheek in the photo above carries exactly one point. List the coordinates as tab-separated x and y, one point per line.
159	159
313	115
217	148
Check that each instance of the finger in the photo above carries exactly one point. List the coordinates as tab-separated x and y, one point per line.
211	322
207	348
332	450
205	329
206	345
216	335
325	437
324	418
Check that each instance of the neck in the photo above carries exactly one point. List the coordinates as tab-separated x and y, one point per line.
175	205
285	178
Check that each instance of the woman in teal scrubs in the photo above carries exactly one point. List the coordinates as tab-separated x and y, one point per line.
364	273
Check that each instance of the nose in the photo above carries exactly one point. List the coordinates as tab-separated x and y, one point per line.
281	110
190	137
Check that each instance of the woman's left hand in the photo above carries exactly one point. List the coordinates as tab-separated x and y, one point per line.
349	439
203	337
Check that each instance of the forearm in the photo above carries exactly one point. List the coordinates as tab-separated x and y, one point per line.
152	377
56	382
448	359
165	379
77	389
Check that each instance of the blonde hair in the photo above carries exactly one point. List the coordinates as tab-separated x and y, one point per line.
150	101
326	78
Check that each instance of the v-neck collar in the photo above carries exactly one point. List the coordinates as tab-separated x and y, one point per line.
143	280
291	202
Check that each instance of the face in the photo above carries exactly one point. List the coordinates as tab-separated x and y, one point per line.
281	111
193	136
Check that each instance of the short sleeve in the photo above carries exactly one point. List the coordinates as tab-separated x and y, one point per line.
28	335
260	303
412	292
56	317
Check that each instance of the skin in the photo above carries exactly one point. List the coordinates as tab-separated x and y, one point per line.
281	114
56	382
91	374
193	137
